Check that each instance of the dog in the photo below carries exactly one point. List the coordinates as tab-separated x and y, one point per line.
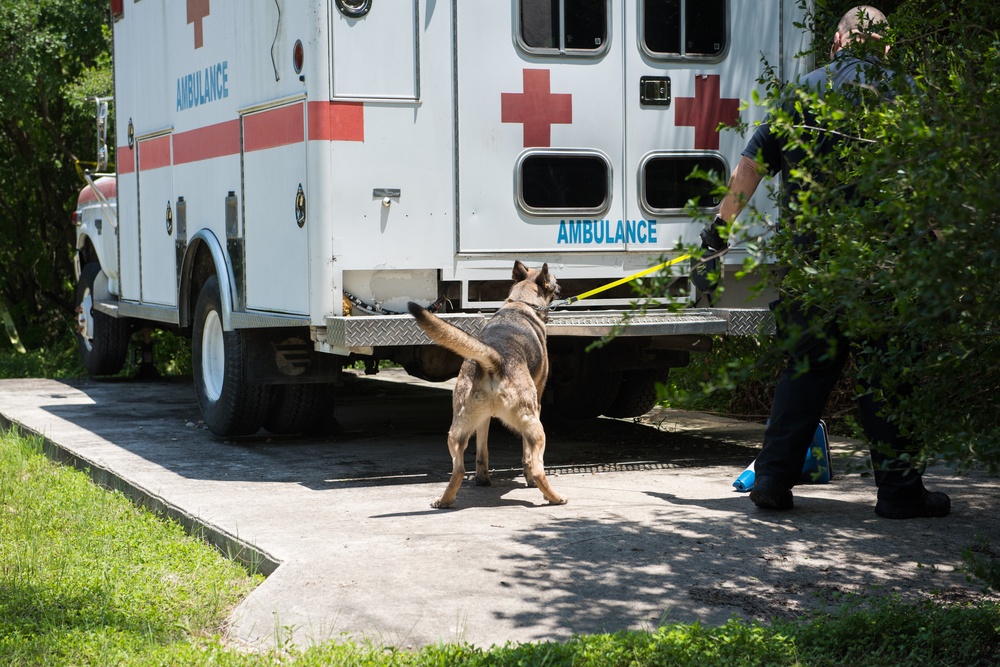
503	376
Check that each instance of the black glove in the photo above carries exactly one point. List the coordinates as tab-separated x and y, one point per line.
706	271
711	239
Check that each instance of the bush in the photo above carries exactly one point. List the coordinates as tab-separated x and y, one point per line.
909	256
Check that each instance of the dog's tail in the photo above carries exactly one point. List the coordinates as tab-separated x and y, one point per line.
451	337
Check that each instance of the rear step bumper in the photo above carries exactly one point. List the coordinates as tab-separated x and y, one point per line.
379	330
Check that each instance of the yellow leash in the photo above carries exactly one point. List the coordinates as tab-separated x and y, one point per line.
622	281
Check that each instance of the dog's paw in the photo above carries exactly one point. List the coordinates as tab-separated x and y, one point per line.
440	504
558	500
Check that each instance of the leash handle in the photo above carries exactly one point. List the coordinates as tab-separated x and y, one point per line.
622	281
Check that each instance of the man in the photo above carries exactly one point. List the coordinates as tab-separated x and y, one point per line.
819	349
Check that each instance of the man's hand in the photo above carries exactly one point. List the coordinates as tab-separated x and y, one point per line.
711	238
705	274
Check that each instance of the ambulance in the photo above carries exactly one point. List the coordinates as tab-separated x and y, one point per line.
290	173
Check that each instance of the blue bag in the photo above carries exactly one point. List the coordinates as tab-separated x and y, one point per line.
817	468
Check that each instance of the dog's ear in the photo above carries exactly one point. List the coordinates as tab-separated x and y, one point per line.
542	279
520	271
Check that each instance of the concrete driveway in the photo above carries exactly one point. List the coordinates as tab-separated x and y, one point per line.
653	531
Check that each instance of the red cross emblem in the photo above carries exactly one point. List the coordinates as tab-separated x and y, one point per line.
705	111
197	10
536	108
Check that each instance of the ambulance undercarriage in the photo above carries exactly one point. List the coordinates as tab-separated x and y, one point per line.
290	174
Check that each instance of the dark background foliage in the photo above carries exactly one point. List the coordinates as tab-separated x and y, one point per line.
53	54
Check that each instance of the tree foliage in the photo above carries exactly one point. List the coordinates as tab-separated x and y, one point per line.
909	256
53	54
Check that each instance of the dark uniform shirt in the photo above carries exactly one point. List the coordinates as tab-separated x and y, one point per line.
846	69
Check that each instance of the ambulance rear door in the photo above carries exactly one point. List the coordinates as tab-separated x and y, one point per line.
540	123
692	63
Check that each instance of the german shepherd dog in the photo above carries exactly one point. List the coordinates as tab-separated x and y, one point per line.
503	376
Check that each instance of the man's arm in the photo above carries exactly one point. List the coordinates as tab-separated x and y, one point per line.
742	184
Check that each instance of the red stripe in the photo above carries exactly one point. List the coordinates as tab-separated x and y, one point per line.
154	153
206	143
125	160
274	128
328	121
336	121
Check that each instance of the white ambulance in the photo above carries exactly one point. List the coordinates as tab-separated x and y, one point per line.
290	173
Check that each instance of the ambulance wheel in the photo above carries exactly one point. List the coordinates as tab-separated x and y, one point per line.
583	393
637	393
103	340
229	404
301	408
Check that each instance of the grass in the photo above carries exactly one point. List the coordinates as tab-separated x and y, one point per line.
86	578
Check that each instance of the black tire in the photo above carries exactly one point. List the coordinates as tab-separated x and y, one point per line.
580	393
301	408
229	404
102	339
637	393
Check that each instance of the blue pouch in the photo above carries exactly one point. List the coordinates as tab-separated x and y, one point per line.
816	469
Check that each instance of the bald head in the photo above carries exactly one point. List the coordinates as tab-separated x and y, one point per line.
862	19
859	23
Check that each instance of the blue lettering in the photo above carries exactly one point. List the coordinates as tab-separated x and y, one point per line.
600	232
203	86
217	82
575	231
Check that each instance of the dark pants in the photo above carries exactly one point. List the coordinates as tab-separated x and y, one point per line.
801	395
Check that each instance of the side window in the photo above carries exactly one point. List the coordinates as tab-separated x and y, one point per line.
564	182
683	29
573	27
666	188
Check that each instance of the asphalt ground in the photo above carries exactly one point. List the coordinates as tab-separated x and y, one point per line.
653	532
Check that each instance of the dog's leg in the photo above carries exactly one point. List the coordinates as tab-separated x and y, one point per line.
534	457
483	454
529	478
457	443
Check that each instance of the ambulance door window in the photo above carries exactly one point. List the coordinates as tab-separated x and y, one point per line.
682	29
570	27
564	182
668	183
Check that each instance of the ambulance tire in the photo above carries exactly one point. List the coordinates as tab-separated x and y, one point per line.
103	340
584	395
229	404
637	393
305	409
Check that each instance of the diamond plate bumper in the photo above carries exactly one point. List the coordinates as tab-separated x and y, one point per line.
382	330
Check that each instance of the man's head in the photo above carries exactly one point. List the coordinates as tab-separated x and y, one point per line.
860	23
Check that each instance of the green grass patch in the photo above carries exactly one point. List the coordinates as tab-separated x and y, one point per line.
86	578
